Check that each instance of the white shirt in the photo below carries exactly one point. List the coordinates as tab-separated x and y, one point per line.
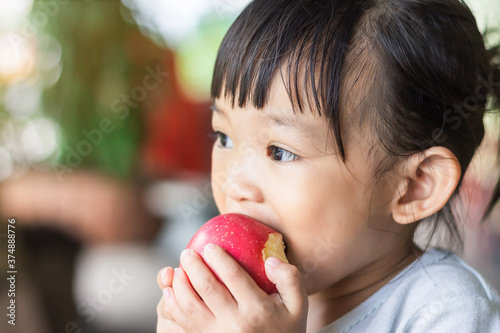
436	293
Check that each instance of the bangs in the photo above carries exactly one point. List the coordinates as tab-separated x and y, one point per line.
305	42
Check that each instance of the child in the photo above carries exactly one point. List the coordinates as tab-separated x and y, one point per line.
343	125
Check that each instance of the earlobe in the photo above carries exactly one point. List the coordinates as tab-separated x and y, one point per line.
427	183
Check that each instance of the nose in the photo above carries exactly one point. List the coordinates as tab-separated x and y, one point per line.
242	181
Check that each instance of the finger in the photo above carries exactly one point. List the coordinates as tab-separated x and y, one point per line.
166	324
240	284
165	277
162	308
215	295
188	300
172	310
289	284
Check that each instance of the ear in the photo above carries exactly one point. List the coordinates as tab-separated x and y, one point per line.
428	181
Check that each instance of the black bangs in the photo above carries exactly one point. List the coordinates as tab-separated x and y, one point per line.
304	40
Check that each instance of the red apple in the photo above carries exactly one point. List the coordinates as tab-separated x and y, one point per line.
247	240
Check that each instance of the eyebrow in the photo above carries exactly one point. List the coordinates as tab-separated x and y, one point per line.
281	121
291	122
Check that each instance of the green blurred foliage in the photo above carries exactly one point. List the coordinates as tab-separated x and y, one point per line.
96	71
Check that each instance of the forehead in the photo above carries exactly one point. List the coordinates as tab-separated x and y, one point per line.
279	111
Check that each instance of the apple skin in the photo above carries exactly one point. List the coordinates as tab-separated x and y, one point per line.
244	239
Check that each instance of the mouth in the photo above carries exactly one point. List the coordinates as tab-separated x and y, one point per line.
279	231
286	247
282	236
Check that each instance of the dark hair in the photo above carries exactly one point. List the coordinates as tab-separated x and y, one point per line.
421	64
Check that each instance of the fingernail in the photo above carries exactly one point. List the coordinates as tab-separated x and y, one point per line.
165	271
187	253
167	293
273	261
177	271
209	247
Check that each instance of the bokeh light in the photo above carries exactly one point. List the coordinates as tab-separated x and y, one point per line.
40	138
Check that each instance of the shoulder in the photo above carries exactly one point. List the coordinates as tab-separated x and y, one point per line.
436	293
440	274
441	292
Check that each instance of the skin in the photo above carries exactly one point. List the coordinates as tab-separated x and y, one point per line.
343	241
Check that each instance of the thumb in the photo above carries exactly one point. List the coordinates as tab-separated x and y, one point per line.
289	283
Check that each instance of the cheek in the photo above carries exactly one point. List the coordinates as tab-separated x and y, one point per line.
319	196
218	177
318	210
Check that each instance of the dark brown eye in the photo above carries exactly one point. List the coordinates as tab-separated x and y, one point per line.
280	155
223	140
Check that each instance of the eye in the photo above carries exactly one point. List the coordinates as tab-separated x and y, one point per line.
280	155
223	140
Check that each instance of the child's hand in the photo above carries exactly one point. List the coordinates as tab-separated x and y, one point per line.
239	305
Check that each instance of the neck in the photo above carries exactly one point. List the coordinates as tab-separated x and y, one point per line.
331	304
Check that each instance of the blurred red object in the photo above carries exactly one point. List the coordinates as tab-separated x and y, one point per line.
177	132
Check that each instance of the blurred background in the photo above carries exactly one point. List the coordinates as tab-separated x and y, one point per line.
104	155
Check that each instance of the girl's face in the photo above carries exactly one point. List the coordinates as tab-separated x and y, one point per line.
282	169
